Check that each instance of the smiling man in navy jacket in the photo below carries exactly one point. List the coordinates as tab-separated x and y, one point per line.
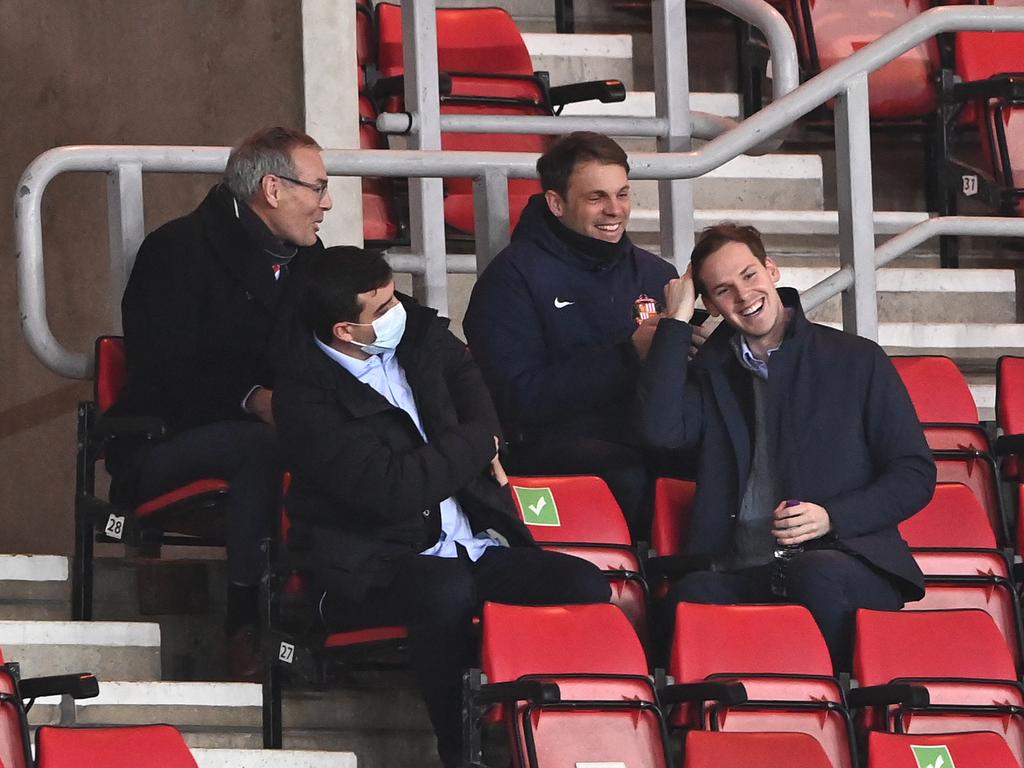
810	450
551	324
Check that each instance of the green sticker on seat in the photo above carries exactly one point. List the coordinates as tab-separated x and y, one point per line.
932	756
538	506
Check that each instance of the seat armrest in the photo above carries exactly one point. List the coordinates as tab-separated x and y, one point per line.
692	693
386	87
605	91
148	427
535	691
882	695
79	686
674	566
1009	444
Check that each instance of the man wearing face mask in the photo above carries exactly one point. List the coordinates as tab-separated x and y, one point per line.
392	439
552	324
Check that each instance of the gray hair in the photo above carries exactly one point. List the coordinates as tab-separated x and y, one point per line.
267	151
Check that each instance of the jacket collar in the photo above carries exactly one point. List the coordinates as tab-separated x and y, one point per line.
718	351
235	247
537	224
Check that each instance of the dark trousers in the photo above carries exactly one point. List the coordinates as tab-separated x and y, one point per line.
830	583
245	454
436	599
629	470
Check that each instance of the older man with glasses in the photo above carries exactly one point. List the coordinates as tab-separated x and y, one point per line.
200	311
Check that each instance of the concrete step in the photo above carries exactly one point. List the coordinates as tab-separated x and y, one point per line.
34	587
110	650
278	758
577	58
918	295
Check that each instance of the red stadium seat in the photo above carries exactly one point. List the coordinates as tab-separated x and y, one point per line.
958	655
186	515
957	750
673	500
14	744
1010	419
136	746
491	74
712	749
605	710
578	515
829	31
778	654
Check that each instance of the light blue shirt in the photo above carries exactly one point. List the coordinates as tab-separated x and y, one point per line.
385	375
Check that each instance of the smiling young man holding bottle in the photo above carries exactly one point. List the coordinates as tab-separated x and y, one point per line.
810	451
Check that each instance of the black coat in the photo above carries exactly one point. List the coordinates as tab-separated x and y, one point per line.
199	314
364	482
842	428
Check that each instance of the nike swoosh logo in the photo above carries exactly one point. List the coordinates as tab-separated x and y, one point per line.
559	304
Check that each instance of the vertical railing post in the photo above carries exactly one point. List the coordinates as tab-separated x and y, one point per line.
426	196
491	216
126	226
672	102
856	206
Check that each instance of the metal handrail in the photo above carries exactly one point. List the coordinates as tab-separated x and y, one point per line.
846	80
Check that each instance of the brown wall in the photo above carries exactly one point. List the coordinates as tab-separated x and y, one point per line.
200	72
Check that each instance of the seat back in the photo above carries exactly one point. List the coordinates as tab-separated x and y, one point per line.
111	372
978	472
673	501
608	713
712	749
779	655
834	29
953	518
139	746
1010	394
962	750
937	388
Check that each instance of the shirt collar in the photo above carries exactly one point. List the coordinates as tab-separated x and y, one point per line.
355	366
748	359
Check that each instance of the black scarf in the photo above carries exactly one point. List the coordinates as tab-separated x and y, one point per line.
601	252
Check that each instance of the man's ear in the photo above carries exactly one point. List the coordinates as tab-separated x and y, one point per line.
342	332
270	190
773	269
555	202
711	307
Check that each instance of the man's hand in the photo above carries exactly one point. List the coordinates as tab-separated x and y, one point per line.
803	522
259	404
700	335
680	297
644	335
498	471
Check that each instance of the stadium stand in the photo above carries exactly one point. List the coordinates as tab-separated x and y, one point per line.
578	515
186	515
959	656
572	686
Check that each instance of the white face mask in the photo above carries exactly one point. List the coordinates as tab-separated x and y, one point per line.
389	328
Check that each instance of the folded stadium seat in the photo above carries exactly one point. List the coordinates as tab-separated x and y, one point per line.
135	746
953	542
578	515
673	500
482	52
778	654
828	31
959	656
711	749
381	224
187	515
572	687
949	415
298	645
945	750
1010	420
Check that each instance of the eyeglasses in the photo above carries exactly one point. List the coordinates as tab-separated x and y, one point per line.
319	187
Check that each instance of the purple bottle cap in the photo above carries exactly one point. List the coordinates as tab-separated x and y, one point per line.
792	502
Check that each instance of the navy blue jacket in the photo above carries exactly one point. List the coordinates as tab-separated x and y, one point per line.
842	426
550	328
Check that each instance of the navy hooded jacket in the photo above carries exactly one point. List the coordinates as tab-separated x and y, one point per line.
550	328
